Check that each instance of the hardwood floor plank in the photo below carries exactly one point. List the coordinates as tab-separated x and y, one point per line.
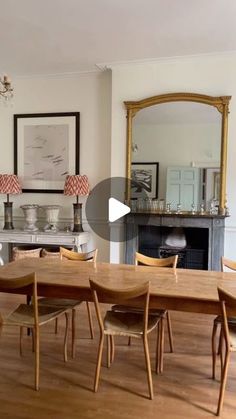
185	390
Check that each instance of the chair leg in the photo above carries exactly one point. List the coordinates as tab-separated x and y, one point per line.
169	327
28	302
66	337
112	348
129	341
221	356
148	366
158	349
108	351
33	340
223	382
161	346
90	320
36	337
21	336
220	340
99	361
56	326
73	332
213	345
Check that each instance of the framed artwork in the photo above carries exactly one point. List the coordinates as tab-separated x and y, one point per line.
46	150
144	180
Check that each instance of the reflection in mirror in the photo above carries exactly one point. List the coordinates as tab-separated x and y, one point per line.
182	140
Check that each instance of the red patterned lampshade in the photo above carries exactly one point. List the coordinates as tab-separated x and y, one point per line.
76	185
10	184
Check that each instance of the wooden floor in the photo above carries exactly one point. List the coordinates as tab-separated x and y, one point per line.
185	390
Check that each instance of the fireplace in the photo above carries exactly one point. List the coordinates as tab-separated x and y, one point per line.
204	238
194	255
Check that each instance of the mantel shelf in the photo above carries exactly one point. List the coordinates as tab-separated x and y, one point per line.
178	215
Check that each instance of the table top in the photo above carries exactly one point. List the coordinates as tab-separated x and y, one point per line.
180	289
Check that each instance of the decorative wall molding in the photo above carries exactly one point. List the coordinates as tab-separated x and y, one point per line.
163	60
63	221
95	71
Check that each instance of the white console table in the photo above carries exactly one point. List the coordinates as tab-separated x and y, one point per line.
61	238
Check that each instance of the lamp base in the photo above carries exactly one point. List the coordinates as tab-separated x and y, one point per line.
8	225
77	218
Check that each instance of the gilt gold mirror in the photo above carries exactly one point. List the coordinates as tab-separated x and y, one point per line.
174	134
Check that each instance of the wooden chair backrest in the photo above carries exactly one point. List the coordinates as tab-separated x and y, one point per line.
83	257
226	300
227	263
169	262
99	292
28	284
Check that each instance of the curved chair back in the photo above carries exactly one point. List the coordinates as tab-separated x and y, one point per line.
226	300
101	293
85	257
28	284
169	262
227	263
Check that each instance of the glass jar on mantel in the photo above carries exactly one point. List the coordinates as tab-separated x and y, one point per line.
156	206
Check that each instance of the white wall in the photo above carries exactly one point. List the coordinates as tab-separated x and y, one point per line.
213	75
88	94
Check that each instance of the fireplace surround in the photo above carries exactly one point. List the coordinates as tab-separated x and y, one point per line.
204	238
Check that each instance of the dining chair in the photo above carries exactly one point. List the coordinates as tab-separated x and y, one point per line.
70	304
31	316
227	301
137	325
170	262
230	265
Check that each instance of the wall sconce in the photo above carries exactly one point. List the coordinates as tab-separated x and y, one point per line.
6	89
134	147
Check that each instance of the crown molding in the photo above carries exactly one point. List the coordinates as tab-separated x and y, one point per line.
96	71
162	60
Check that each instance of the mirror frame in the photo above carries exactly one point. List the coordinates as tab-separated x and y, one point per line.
221	103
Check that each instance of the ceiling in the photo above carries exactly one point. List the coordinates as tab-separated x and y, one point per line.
66	36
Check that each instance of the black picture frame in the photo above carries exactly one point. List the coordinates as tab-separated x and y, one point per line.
150	173
66	126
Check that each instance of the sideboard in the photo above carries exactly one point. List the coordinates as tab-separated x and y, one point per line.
41	238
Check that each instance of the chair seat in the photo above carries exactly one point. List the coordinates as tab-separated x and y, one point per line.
23	315
127	324
65	303
219	320
129	309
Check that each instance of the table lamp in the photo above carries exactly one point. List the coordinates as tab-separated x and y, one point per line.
9	184
77	185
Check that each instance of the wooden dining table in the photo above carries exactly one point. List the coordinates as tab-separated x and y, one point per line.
180	289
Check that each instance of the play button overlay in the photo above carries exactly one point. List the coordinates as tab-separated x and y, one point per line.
117	210
108	213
